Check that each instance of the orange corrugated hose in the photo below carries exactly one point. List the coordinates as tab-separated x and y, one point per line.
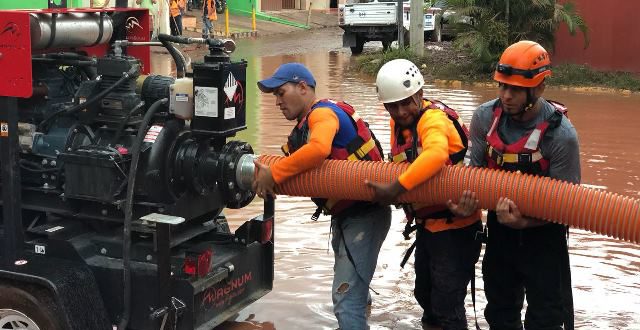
570	204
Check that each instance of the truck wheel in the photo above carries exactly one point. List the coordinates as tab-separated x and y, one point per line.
357	49
386	44
436	34
33	310
407	39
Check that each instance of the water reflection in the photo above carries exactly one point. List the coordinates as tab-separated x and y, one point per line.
605	271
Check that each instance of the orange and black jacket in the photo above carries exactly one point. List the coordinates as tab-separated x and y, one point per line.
436	139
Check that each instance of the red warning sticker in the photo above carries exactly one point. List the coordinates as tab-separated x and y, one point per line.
4	129
152	133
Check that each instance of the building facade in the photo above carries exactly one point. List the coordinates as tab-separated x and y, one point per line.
613	33
267	5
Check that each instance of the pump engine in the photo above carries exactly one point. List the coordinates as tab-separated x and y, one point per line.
124	175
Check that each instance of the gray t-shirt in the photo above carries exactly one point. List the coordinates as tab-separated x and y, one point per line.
559	145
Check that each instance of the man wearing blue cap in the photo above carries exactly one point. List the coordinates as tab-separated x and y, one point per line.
328	129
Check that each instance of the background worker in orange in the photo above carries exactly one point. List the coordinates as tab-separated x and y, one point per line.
208	16
429	135
324	130
176	8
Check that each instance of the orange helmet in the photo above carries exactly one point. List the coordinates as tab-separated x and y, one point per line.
524	64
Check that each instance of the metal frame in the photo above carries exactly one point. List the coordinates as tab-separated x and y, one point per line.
13	235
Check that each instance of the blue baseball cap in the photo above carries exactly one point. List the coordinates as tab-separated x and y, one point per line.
288	72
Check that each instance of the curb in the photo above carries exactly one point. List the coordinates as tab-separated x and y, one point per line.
232	35
576	89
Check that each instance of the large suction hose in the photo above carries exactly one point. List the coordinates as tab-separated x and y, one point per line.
598	211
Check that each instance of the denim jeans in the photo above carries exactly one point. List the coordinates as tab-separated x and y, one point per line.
363	232
207	27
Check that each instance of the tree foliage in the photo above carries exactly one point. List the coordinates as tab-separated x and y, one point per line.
495	24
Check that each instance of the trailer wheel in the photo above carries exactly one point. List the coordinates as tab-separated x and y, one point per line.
386	44
357	49
27	310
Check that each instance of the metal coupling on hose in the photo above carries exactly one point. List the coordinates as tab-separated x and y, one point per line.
245	171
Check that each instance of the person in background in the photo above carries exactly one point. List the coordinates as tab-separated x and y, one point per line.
520	131
429	135
329	129
208	15
176	8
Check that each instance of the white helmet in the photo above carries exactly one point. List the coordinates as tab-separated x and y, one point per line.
397	80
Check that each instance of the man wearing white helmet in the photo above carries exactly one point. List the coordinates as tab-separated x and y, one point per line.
430	135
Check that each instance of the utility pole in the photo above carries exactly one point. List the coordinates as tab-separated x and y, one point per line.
416	27
399	13
507	20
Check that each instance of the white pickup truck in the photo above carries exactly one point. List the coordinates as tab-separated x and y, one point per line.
375	20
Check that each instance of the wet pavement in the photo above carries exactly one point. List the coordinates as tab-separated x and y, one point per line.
605	271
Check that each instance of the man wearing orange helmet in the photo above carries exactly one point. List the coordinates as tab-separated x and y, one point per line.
521	131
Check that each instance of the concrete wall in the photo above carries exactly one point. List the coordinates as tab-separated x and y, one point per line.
35	4
244	5
299	4
614	32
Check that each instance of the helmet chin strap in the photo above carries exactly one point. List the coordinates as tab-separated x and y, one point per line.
531	102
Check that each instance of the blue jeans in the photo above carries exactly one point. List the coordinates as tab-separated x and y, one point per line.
363	231
207	27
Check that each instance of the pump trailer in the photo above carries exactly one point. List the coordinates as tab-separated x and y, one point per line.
114	180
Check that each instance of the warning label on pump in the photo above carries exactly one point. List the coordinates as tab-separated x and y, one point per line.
206	99
4	129
230	113
152	134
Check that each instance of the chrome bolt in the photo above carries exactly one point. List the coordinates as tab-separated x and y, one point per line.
103	251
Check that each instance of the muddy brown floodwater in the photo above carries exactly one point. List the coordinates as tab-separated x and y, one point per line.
605	271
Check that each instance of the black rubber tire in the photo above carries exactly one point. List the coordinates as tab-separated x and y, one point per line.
436	35
357	49
33	302
221	5
386	44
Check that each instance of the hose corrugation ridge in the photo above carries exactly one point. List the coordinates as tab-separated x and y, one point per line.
561	202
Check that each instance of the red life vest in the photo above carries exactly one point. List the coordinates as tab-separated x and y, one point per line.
361	145
523	155
407	147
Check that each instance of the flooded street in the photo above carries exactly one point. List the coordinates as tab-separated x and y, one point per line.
605	272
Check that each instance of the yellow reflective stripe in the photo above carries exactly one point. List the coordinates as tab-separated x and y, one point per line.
399	158
513	158
285	149
363	150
